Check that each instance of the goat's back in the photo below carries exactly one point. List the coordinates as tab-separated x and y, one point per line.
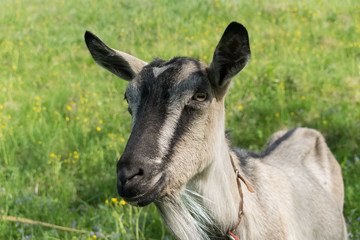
304	147
299	188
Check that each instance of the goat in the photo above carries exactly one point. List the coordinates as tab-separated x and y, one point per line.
178	155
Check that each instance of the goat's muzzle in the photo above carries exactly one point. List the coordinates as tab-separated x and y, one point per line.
138	183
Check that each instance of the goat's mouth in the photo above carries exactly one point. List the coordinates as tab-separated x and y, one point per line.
143	194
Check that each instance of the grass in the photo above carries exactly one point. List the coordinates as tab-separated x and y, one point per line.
64	123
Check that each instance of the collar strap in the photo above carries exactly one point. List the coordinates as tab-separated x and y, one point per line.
241	204
232	236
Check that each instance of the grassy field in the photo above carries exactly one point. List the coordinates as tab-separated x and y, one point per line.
64	123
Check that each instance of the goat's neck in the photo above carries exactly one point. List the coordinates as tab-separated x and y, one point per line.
218	188
217	182
209	205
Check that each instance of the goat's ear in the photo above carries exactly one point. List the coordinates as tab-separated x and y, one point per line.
119	63
230	57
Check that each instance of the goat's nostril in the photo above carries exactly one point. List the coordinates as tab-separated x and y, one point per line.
138	174
130	176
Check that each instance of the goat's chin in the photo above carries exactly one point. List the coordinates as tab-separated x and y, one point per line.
147	194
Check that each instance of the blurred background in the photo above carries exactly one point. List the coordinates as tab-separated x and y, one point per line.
64	122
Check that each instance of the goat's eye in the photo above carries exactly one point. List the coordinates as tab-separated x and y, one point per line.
200	97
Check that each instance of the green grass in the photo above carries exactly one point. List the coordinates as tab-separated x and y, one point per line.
64	123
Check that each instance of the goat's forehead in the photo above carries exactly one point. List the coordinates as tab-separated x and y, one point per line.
168	73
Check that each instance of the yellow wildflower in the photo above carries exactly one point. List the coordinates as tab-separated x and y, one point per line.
281	86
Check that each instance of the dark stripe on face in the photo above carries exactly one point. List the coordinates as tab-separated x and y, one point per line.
151	109
195	82
187	118
155	98
150	116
